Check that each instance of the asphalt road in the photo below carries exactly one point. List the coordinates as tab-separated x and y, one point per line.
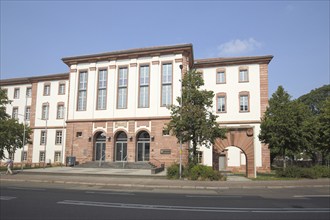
40	202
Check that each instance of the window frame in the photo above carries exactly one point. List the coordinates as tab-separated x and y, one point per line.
16	93
43	137
166	84
243	69
221	95
244	94
58	139
82	106
218	71
58	116
14	114
27	114
60	85
42	152
59	157
119	87
102	89
45	115
144	86
46	85
28	92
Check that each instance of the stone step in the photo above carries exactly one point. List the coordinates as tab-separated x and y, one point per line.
117	165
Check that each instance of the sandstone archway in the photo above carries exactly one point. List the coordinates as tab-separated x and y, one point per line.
242	138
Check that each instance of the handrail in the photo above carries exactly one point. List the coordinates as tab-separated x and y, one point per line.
125	159
101	158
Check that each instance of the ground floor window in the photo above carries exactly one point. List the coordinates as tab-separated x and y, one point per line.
42	156
57	156
25	156
143	146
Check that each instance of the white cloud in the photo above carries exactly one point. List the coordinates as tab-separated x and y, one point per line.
236	47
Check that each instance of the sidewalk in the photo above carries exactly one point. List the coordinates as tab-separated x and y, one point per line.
143	179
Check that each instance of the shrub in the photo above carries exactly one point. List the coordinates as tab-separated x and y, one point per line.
173	171
299	172
201	172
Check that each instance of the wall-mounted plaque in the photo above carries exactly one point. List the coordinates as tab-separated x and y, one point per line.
165	151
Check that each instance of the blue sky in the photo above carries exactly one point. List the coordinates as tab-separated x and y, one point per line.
35	35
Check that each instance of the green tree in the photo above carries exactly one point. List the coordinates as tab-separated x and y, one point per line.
11	131
324	131
282	125
193	121
315	98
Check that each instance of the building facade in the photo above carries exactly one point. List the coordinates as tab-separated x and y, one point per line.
114	106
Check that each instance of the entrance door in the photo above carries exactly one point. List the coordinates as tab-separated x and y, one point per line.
143	146
222	162
100	151
121	151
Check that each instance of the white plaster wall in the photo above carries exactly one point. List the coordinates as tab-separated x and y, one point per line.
233	156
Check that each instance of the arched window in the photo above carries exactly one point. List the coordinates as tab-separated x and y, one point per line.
121	147
99	147
143	146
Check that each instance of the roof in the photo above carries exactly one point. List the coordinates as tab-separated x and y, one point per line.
137	52
29	80
212	62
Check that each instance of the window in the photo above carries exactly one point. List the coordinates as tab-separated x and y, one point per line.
5	91
60	111
221	102
16	93
25	156
166	84
166	132
122	88
45	111
61	89
144	87
58	139
43	137
82	91
42	156
79	134
27	113
47	89
243	75
29	92
221	76
102	90
244	102
57	156
199	157
15	113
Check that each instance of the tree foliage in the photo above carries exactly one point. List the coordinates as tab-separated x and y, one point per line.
11	131
315	98
193	121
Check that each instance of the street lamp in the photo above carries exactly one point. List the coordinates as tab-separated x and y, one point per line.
180	169
46	135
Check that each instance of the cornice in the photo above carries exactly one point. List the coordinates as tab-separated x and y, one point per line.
33	79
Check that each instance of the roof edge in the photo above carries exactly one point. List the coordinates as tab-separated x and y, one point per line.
32	79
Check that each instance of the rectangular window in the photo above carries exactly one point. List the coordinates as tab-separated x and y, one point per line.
200	157
16	93
29	92
166	84
45	111
244	103
122	88
27	113
243	75
57	156
144	87
42	156
43	137
25	156
61	89
221	104
82	91
102	90
15	113
58	139
47	89
60	111
221	78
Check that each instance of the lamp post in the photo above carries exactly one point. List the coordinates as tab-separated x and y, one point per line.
180	168
46	135
24	130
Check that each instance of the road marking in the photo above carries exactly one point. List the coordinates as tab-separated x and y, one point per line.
205	196
7	197
111	193
26	188
191	208
311	196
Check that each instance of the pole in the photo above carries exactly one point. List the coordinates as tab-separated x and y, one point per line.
46	135
24	130
62	154
180	170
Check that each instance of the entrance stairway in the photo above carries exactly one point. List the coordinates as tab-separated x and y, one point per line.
118	165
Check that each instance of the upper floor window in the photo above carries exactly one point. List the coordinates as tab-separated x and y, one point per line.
61	88
16	93
144	87
82	91
102	90
45	111
27	113
28	92
243	75
60	111
221	76
244	102
15	113
122	87
221	102
47	89
167	74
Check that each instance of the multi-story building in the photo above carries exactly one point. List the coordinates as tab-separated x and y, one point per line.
114	107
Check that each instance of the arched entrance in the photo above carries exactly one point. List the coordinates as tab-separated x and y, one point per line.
241	138
121	147
99	146
143	146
